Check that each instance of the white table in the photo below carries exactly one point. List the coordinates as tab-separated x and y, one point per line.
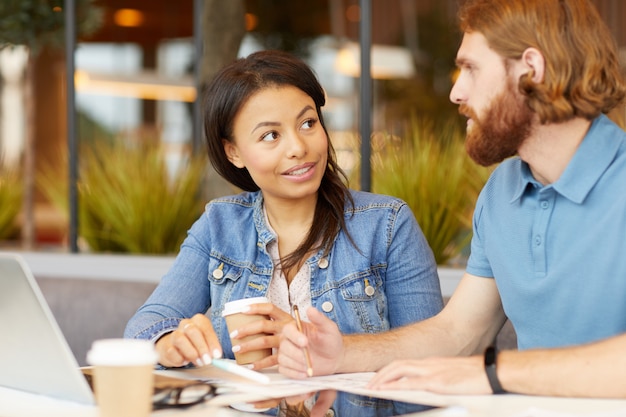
15	403
21	404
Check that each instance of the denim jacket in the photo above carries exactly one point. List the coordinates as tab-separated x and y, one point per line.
391	280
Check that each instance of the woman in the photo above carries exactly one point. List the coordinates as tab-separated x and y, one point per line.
296	235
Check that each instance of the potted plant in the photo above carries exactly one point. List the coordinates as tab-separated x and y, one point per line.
429	169
129	199
11	191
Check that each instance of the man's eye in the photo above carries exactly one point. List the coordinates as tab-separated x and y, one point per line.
469	69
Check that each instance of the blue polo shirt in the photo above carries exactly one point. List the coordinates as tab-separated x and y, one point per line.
558	252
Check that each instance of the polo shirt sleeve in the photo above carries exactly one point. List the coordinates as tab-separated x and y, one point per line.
478	264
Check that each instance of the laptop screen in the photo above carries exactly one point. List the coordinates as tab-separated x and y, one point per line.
34	355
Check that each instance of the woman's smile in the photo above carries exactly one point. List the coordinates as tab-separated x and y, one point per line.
301	172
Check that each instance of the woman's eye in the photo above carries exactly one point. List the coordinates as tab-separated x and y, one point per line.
309	123
269	137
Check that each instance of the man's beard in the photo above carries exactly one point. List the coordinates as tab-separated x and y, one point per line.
504	127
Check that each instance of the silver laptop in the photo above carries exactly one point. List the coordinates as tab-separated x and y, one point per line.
34	355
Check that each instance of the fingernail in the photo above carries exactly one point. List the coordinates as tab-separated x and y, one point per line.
199	362
236	348
206	358
217	353
233	334
245	308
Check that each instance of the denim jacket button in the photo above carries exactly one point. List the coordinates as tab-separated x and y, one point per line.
369	290
218	272
327	306
323	263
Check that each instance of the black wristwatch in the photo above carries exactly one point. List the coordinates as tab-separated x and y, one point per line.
491	356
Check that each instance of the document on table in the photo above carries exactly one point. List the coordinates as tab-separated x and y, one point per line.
235	388
355	383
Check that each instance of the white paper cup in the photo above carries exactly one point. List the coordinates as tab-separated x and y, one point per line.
235	318
123	376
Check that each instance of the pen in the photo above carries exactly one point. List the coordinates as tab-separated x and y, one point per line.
233	368
309	369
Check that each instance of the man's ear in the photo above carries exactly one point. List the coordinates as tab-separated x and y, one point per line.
535	63
232	153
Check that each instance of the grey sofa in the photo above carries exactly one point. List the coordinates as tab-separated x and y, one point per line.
90	309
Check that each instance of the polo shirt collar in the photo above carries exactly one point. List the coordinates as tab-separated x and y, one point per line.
524	180
592	158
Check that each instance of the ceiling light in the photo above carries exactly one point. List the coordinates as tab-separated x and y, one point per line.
128	17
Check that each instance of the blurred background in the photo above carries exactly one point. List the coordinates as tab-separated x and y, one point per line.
140	67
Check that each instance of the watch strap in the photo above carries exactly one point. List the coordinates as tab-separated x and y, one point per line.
491	356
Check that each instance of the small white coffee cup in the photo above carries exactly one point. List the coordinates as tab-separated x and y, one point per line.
235	318
123	376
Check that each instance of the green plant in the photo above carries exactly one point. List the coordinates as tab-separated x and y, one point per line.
128	200
11	191
430	170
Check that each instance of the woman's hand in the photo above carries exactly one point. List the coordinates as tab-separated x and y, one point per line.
194	341
269	329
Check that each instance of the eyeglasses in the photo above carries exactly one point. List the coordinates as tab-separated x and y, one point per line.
180	397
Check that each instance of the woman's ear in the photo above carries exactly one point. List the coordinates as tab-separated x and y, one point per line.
232	153
535	63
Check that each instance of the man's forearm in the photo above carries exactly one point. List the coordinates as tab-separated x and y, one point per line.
467	325
594	370
363	352
370	352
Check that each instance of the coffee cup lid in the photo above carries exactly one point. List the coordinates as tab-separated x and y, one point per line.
122	352
237	306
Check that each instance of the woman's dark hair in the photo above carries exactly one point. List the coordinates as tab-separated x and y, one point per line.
225	96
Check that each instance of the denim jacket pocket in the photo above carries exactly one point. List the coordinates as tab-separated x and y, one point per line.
364	297
232	281
220	272
224	279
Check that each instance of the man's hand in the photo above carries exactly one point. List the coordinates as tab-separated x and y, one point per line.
324	341
451	375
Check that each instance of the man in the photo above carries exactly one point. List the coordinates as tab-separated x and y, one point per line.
548	250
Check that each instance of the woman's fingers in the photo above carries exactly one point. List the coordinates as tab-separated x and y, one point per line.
210	346
193	341
266	362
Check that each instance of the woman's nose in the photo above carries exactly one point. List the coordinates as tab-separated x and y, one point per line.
297	147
